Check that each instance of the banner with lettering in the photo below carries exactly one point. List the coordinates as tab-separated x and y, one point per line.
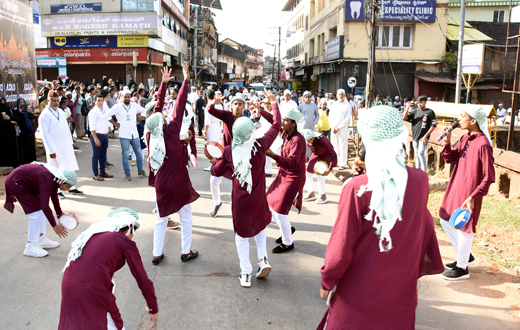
393	11
17	60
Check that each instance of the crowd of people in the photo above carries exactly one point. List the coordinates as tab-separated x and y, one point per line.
306	136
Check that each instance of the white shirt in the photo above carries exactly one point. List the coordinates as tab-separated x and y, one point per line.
226	92
287	104
193	97
126	117
97	120
501	112
340	114
209	119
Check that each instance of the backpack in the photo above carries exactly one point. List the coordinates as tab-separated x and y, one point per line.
84	108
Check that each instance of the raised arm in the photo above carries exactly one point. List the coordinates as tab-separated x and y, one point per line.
162	90
276	122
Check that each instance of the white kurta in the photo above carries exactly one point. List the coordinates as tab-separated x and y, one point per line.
340	115
57	139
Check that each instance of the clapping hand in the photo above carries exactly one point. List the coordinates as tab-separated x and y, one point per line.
217	100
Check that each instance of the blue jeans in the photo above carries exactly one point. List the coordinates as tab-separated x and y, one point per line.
99	155
125	146
419	149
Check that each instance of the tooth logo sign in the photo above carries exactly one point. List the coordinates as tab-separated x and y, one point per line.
355	9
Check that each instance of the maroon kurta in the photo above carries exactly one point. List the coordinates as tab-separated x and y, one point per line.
227	118
33	185
86	288
287	187
472	175
322	149
378	290
193	146
172	181
251	213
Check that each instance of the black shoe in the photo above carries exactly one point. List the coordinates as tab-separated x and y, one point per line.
192	255
157	260
283	248
109	164
455	274
471	262
214	213
279	239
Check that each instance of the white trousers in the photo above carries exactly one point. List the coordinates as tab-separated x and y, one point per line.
213	133
215	188
186	220
310	183
133	153
268	165
282	220
37	226
461	241
243	250
340	143
110	323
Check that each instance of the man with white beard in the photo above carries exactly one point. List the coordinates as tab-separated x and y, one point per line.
286	102
340	115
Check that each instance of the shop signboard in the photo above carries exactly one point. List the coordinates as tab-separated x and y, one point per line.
100	24
81	42
473	58
17	54
334	49
393	11
102	55
76	8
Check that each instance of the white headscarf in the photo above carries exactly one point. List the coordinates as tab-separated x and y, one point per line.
157	148
290	111
244	138
480	116
60	175
384	134
118	219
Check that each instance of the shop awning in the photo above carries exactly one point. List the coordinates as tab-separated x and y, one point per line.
442	80
470	33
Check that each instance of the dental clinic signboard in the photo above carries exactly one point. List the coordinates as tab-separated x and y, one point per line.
393	11
100	24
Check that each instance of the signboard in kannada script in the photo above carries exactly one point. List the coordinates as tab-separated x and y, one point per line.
17	60
393	11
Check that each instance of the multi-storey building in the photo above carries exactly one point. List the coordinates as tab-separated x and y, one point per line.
293	44
125	39
239	63
203	40
409	37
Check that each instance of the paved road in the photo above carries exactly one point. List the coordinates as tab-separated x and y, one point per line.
205	293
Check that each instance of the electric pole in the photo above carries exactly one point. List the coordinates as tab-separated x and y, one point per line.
461	47
371	61
279	58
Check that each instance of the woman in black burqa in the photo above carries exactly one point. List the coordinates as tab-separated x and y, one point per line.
26	142
8	121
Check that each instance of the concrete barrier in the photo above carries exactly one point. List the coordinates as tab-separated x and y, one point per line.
507	164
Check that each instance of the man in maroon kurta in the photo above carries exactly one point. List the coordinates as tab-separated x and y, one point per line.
287	187
249	207
472	175
322	150
88	302
238	105
171	180
383	240
32	185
